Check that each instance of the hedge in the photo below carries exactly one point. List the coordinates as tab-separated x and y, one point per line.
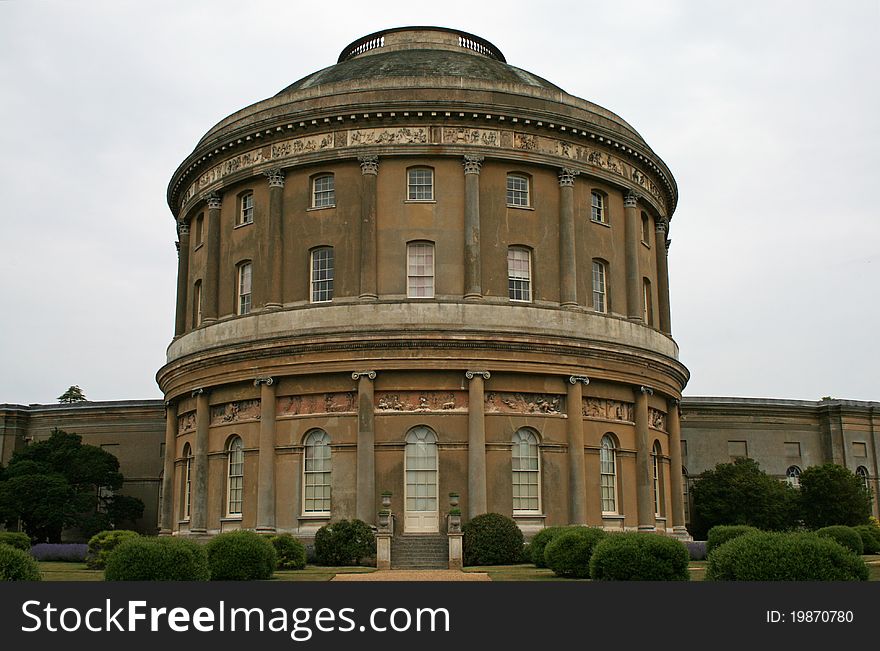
765	556
846	536
17	565
240	556
491	539
101	544
720	534
870	538
290	552
157	559
569	552
344	542
16	539
539	544
639	557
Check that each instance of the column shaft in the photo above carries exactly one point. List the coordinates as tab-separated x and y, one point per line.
673	427
567	248
166	525
369	174
266	468
473	281
273	237
662	276
634	296
366	449
644	465
476	445
199	507
211	283
577	506
182	278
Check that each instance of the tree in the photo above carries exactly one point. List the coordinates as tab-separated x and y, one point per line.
59	483
73	394
831	494
742	493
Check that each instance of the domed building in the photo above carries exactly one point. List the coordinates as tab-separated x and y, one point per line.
422	271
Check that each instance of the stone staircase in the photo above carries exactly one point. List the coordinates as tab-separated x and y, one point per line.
420	551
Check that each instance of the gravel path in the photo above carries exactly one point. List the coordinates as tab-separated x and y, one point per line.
414	575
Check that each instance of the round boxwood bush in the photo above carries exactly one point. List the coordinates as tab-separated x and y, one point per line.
16	539
17	565
540	542
766	556
290	552
491	539
846	536
344	542
870	538
157	559
639	557
569	552
240	556
720	534
101	544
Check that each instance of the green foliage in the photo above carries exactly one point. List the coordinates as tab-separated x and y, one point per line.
73	394
569	551
101	544
157	559
742	493
831	494
15	539
870	538
17	565
768	556
540	542
240	556
639	557
491	539
720	534
846	536
344	542
290	552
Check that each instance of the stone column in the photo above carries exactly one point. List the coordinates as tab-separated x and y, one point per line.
673	428
211	282
182	277
369	172
473	274
644	464
266	468
577	482
567	248
274	241
477	503
662	225
365	505
634	296
199	507
166	524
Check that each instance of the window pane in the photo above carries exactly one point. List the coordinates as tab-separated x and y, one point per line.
316	473
599	286
245	273
517	190
324	192
247	209
420	270
597	213
420	184
519	274
322	275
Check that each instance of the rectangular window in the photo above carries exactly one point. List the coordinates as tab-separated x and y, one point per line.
197	304
323	192
736	449
322	275
597	212
245	273
420	184
420	270
519	274
599	289
517	190
246	214
647	309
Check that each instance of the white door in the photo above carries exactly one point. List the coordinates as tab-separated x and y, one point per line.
421	515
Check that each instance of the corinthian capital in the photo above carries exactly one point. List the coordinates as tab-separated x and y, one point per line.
369	164
661	225
182	228
472	164
566	177
276	177
631	199
213	200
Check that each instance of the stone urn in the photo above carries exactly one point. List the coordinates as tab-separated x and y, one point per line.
454	521
386	500
453	500
384	520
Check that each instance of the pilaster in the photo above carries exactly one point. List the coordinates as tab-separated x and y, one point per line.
477	501
473	283
567	245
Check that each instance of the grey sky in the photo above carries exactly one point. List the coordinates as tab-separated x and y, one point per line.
765	112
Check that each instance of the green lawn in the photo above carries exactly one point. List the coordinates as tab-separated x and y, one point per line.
57	571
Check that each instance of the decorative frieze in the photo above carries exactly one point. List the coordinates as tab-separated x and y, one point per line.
317	403
401	136
657	419
403	401
186	422
604	409
523	403
466	136
233	412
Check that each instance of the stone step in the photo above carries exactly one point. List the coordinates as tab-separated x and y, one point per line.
420	552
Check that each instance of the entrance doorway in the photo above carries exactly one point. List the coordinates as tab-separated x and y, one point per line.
421	515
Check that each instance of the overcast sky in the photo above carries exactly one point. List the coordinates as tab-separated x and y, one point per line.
766	113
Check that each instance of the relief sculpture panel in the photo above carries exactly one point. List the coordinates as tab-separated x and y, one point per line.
421	401
523	403
233	412
657	419
186	422
603	409
317	403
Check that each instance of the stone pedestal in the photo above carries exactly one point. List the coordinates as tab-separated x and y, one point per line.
383	551
456	557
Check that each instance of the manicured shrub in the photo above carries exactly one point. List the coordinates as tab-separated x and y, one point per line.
639	557
290	552
101	544
765	556
696	549
870	538
240	556
721	533
540	542
846	536
569	552
491	539
66	552
17	565
344	542
16	539
157	559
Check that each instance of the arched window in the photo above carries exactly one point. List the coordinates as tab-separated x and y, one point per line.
518	190
234	476
420	184
519	274
245	208
598	209
608	475
600	287
187	481
793	476
658	484
421	480
420	270
322	274
316	473
243	287
197	304
648	303
862	474
526	472
323	191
